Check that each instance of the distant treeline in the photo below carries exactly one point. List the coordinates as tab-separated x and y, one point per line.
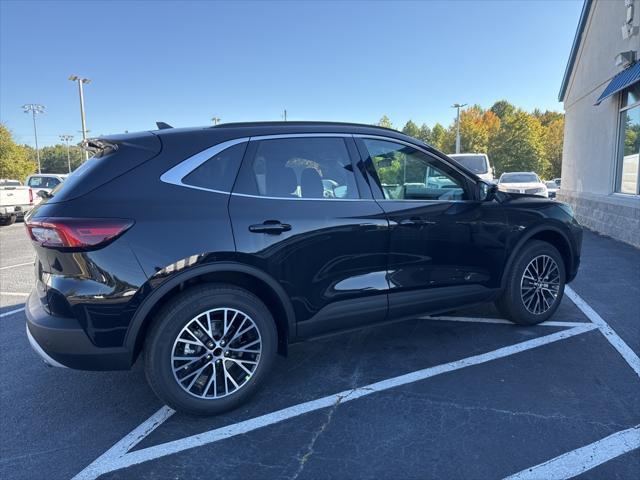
514	139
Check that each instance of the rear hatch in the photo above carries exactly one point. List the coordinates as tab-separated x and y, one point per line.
113	156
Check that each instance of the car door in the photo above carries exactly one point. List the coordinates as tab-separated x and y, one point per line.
302	213
446	247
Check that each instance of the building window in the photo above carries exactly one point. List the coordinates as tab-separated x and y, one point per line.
628	170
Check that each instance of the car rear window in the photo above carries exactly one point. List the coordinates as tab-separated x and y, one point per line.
219	172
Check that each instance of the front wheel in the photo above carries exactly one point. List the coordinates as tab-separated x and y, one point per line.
535	284
209	349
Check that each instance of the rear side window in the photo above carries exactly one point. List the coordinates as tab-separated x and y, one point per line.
219	172
312	167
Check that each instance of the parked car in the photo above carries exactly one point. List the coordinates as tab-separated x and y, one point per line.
558	182
478	163
15	200
552	188
44	182
233	250
522	182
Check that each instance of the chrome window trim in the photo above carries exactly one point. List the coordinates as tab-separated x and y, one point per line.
177	173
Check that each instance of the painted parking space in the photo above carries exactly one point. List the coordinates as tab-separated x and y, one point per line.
424	398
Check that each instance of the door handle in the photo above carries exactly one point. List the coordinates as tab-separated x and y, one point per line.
273	227
415	222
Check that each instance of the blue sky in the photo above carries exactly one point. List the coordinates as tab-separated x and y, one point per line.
185	62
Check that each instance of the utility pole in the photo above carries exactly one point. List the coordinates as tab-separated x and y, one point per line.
66	139
215	120
33	109
82	81
458	106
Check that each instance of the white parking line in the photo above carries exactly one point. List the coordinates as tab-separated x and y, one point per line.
583	459
15	294
614	339
500	321
11	312
17	265
115	459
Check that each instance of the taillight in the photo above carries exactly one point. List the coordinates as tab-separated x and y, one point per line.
75	232
30	196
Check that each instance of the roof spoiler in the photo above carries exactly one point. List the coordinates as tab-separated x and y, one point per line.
98	145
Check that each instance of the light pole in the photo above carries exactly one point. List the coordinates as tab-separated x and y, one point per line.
82	81
33	109
458	106
284	115
215	120
66	139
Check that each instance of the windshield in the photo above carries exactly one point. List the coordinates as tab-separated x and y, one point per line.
519	178
475	163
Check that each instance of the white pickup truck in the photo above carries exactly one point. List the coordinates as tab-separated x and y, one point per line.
15	200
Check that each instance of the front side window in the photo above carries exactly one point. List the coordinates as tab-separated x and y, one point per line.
629	149
306	167
409	174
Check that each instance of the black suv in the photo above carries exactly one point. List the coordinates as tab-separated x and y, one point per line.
209	250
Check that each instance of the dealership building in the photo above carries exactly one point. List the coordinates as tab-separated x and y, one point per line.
601	95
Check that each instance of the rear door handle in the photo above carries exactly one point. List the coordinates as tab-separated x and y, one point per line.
273	227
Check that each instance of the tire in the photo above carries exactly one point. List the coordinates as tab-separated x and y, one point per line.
526	301
185	384
8	220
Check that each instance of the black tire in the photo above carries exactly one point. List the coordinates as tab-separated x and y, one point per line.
511	303
8	220
168	325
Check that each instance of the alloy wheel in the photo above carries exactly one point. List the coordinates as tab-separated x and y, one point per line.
216	353
540	284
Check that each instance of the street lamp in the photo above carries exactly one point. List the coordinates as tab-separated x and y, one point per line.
66	139
33	109
81	81
458	106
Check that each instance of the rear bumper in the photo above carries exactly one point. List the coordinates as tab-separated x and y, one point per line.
61	342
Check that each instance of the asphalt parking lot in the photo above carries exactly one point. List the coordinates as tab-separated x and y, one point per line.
465	395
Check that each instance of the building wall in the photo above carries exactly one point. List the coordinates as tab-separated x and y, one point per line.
591	131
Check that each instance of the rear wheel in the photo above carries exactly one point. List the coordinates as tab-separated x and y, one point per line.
535	284
8	220
209	349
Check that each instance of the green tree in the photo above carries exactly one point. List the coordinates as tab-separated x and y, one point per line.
438	137
411	129
14	159
425	133
519	145
553	144
503	109
385	122
54	159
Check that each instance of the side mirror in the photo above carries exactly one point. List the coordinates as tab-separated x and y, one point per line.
486	191
42	194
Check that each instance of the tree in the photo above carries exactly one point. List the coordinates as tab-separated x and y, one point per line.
518	146
14	159
385	122
438	134
54	159
411	129
477	129
553	144
503	109
425	133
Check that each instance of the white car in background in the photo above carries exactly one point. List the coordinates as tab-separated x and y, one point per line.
552	188
522	182
478	163
44	182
